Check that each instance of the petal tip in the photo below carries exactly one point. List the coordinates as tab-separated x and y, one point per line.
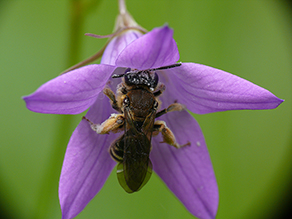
27	99
277	103
165	28
280	101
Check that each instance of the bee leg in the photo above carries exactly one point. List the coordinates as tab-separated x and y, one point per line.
168	136
114	124
111	95
172	107
159	91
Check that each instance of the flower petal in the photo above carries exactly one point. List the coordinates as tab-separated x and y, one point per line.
117	44
187	171
70	93
87	163
205	89
155	49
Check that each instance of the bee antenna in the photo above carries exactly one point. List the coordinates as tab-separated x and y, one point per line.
128	71
117	76
166	67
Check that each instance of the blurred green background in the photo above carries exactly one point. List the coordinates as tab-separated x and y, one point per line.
250	150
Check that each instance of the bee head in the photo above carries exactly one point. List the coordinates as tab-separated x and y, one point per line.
146	77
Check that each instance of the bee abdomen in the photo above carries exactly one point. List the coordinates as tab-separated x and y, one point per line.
117	150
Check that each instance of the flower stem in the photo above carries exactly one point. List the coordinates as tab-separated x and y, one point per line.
122	7
49	186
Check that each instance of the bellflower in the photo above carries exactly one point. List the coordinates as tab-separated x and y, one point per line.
187	171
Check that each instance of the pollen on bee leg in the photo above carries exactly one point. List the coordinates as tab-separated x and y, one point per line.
175	107
95	127
113	124
172	107
108	92
167	134
111	95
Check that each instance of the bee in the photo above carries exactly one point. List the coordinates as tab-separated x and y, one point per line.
137	106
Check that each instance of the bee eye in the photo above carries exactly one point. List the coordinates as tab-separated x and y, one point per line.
155	105
154	82
127	70
126	101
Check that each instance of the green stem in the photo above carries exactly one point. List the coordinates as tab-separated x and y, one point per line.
49	185
76	23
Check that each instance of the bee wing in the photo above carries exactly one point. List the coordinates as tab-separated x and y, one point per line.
136	168
122	180
148	124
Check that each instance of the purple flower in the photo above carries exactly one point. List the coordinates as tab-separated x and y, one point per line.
187	171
